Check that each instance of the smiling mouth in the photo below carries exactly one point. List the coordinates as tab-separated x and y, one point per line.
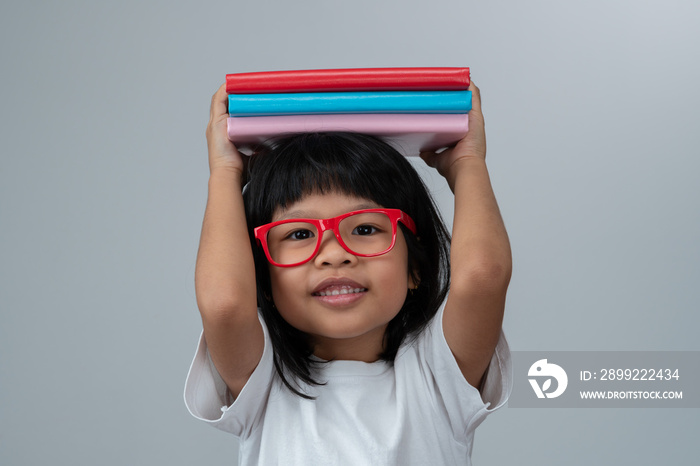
337	291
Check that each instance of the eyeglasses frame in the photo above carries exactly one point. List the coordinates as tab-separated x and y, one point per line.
395	216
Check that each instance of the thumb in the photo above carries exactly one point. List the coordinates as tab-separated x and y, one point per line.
435	159
428	157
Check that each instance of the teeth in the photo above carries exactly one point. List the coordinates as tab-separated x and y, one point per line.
341	291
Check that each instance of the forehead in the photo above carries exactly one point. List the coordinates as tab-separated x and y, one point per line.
323	205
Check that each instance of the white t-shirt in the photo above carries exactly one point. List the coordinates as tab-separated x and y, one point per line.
418	411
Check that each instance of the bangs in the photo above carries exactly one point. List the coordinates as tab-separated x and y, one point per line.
355	165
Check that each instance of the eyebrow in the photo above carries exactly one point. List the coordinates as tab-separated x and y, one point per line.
291	214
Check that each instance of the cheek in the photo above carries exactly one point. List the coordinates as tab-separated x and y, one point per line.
395	276
278	284
286	287
405	267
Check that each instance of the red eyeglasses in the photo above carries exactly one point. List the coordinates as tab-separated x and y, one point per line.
364	233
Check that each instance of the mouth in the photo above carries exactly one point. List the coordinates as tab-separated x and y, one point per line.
339	291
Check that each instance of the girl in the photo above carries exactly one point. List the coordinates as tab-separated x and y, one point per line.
329	336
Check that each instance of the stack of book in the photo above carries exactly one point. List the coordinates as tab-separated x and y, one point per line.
413	109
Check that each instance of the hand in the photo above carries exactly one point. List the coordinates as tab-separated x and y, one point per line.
472	146
222	153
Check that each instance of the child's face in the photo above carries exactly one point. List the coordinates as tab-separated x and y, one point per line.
349	325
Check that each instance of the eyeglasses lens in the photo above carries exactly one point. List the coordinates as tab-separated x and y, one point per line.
365	233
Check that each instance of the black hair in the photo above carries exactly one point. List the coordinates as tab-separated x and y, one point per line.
357	165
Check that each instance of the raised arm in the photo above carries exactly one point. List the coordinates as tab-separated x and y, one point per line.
225	272
480	252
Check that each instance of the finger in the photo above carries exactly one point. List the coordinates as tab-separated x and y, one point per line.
219	103
476	116
476	96
428	157
432	158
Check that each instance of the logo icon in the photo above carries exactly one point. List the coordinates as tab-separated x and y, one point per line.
547	371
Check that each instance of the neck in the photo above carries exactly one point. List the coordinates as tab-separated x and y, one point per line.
365	348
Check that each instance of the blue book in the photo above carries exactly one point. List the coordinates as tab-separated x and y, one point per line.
349	102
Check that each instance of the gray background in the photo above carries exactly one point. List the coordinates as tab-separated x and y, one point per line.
591	112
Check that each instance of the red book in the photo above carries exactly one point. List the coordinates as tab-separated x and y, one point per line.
354	79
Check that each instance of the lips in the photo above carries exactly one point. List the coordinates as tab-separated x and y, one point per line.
337	287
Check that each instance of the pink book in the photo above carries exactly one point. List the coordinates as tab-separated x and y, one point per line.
408	133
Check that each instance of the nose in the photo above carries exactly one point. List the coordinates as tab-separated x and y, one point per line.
332	253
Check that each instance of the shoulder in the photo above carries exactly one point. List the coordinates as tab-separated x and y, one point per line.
208	399
429	356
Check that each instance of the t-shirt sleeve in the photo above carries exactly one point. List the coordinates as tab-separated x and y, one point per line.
207	397
466	406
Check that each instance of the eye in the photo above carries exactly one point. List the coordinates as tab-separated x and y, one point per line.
364	230
300	235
